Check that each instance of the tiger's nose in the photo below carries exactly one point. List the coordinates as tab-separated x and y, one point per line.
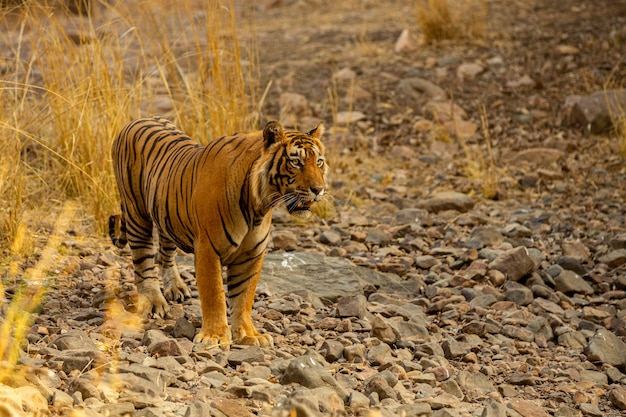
317	190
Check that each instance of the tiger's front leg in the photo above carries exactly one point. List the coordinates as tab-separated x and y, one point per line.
242	281
215	330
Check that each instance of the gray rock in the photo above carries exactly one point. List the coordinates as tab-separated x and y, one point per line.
378	236
184	328
514	264
308	372
572	264
352	306
520	294
251	354
447	200
493	409
329	278
380	386
332	350
574	340
614	258
607	348
74	340
594	112
474	384
569	282
453	349
158	376
330	237
426	261
420	88
379	354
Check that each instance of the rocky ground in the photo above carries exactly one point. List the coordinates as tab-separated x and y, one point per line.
411	293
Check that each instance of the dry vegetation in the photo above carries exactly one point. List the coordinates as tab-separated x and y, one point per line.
69	83
451	19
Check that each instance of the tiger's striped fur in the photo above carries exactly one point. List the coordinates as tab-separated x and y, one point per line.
215	201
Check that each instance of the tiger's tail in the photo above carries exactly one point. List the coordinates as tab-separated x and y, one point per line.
118	241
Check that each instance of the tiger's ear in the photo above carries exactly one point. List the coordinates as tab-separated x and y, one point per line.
273	133
318	131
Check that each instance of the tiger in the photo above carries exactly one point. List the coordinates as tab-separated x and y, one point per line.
214	201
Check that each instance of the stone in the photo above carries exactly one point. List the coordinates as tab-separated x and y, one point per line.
607	348
569	282
539	156
251	354
515	263
469	70
168	347
420	88
453	349
383	331
230	408
285	240
184	328
287	272
380	386
352	306
447	200
474	384
520	294
332	350
614	258
378	236
526	408
308	372
594	112
426	261
493	409
444	111
74	340
379	354
349	117
405	42
617	396
330	237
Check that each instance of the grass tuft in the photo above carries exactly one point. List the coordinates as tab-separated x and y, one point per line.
451	19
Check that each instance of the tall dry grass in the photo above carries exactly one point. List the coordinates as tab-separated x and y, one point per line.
69	83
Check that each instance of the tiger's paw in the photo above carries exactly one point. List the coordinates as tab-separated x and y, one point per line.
151	300
215	335
173	286
252	337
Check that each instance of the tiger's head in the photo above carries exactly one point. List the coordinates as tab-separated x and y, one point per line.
293	169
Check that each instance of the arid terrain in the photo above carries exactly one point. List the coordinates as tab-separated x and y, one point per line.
470	260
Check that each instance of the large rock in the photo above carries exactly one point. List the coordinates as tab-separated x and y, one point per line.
515	263
607	348
447	200
309	372
328	277
597	111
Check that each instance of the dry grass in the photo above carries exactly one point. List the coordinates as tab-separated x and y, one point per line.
479	163
451	19
70	83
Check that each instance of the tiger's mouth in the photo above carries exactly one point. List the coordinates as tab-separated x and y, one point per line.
299	206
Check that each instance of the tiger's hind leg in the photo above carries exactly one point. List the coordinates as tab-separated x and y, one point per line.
150	298
173	286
